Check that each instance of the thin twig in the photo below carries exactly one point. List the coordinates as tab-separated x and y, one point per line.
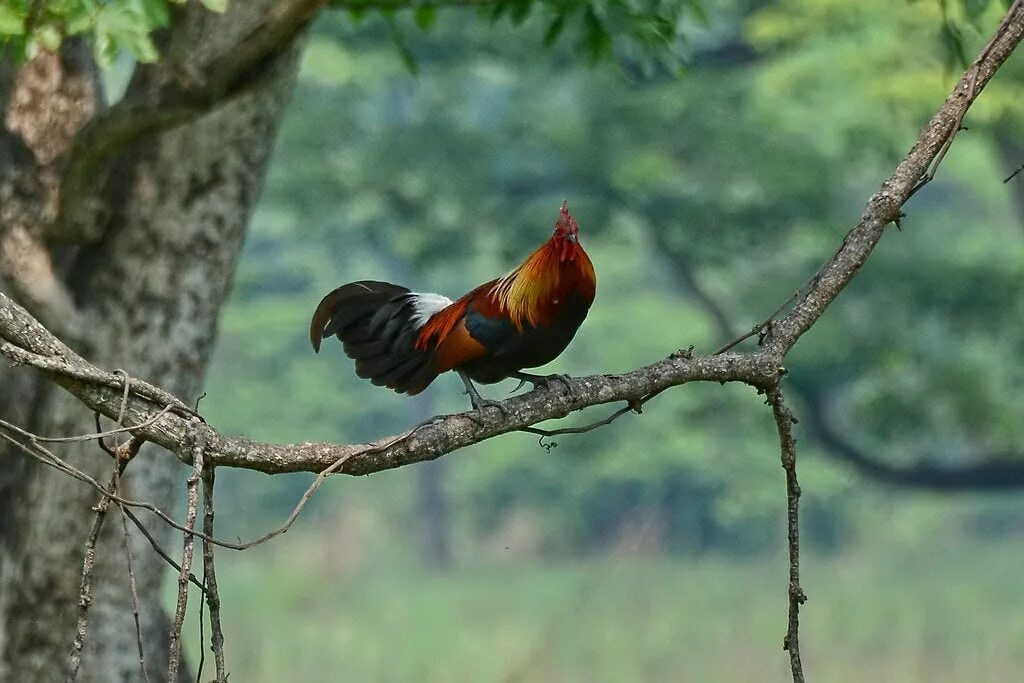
135	593
48	458
124	397
157	548
99	438
202	637
784	421
210	578
98	435
766	323
634	406
970	93
585	428
191	511
85	587
119	464
1013	175
630	407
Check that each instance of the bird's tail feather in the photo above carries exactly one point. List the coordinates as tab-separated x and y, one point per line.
377	323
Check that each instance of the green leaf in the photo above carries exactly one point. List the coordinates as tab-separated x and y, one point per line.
425	17
499	8
596	39
953	44
218	6
554	30
700	14
12	21
48	37
156	12
520	11
974	8
408	59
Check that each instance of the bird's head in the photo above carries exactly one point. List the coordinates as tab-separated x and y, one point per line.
566	237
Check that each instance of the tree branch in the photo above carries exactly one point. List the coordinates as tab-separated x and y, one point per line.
993	472
885	206
85	591
784	421
210	579
46	100
29	343
184	98
195	453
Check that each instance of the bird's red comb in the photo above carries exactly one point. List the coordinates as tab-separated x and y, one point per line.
566	222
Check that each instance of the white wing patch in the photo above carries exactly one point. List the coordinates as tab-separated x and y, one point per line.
426	304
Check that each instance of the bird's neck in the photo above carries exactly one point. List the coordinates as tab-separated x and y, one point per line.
534	290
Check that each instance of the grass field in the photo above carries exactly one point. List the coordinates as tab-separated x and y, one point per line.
905	614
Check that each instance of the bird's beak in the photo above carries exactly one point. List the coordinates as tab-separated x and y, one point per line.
571	237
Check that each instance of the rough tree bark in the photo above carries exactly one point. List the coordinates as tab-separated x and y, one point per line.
172	217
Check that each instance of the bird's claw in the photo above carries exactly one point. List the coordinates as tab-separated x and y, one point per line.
480	403
570	386
546	380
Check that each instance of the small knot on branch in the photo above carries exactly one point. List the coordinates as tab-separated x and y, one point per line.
685	354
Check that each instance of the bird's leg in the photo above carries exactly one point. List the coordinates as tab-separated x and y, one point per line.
543	380
478	401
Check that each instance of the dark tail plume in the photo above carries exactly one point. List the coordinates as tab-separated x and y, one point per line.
376	323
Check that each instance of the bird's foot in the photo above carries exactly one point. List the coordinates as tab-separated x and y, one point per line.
545	381
479	403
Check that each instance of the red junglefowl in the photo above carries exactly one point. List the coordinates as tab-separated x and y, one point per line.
403	340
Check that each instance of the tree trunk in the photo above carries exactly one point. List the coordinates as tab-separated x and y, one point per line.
148	295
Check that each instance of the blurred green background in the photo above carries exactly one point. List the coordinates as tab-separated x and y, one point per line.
653	549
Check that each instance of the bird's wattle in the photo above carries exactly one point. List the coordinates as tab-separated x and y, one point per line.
566	249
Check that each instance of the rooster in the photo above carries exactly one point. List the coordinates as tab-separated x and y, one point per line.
403	340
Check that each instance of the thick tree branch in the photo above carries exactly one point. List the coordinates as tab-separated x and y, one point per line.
26	265
191	93
29	343
45	102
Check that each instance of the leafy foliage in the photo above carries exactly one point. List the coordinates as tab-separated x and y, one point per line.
647	31
112	26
